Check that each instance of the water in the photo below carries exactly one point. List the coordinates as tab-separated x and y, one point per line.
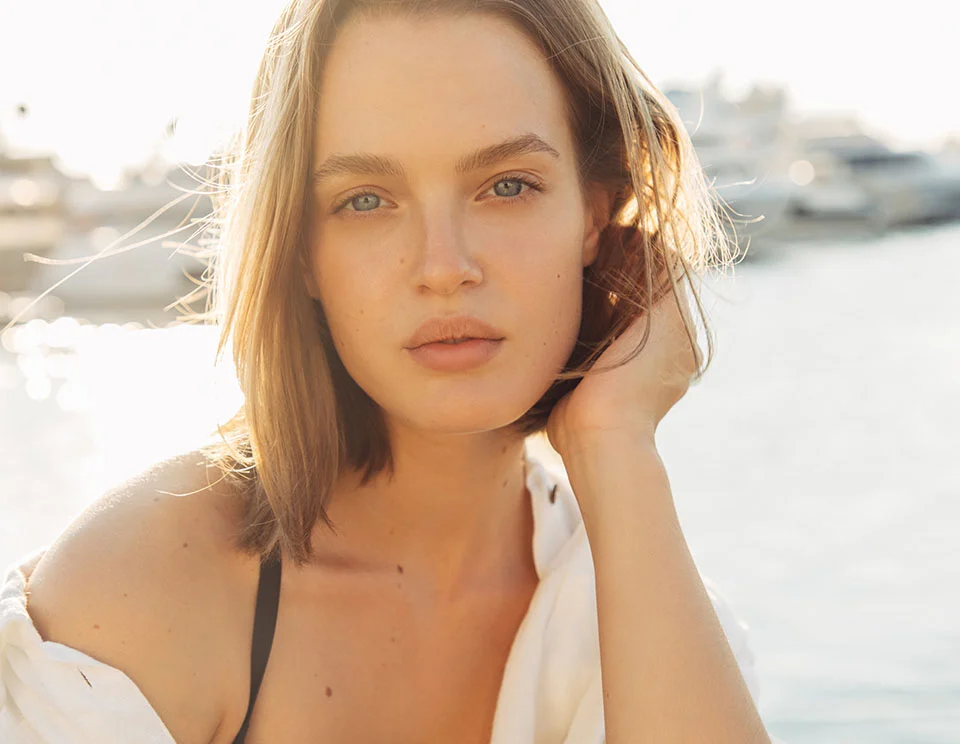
815	468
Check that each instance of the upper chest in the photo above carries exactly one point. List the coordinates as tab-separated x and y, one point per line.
365	662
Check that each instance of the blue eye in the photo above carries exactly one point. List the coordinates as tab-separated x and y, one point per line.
515	187
362	202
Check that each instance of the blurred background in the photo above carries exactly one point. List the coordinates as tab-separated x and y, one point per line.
815	468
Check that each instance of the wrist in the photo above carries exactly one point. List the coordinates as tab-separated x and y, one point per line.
619	478
628	438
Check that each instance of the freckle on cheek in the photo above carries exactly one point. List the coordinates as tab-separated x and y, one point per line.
402	260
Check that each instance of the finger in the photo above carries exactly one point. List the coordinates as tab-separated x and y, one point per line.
675	329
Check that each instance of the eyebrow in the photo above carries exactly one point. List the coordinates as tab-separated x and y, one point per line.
365	164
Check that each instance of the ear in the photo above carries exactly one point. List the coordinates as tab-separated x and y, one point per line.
598	201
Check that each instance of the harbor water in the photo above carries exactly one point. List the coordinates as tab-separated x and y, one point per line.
815	467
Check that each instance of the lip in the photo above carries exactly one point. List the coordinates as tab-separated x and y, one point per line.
453	327
482	343
459	357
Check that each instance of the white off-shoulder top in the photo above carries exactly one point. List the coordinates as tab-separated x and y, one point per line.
550	694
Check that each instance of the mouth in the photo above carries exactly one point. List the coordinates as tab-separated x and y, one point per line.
455	341
453	330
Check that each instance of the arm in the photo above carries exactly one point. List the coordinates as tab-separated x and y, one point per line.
668	672
131	582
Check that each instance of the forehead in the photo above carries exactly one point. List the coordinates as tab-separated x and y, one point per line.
440	86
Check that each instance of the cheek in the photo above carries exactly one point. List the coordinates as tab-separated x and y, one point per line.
565	307
348	294
550	290
355	266
551	255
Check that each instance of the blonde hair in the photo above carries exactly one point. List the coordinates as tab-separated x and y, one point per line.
304	419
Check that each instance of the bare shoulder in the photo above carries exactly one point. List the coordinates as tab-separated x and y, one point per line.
147	581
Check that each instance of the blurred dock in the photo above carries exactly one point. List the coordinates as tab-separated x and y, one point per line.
98	249
777	178
787	178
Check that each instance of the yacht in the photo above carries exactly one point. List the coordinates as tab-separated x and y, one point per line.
863	179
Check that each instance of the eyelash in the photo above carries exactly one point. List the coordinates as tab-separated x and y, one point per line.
532	184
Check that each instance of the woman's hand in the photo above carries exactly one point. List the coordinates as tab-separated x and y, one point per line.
633	398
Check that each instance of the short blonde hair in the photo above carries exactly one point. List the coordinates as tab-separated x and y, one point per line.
304	419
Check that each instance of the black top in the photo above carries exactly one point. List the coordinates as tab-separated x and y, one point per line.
264	623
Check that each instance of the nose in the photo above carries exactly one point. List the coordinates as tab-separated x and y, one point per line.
446	261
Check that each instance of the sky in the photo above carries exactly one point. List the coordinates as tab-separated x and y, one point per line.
102	78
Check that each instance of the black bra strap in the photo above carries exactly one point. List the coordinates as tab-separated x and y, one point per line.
264	624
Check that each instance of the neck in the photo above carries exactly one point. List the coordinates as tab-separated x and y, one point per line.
455	517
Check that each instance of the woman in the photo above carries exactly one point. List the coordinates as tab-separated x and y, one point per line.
450	225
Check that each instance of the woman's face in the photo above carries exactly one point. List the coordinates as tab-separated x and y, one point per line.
445	184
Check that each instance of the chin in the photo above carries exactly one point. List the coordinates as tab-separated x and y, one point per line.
460	420
463	414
